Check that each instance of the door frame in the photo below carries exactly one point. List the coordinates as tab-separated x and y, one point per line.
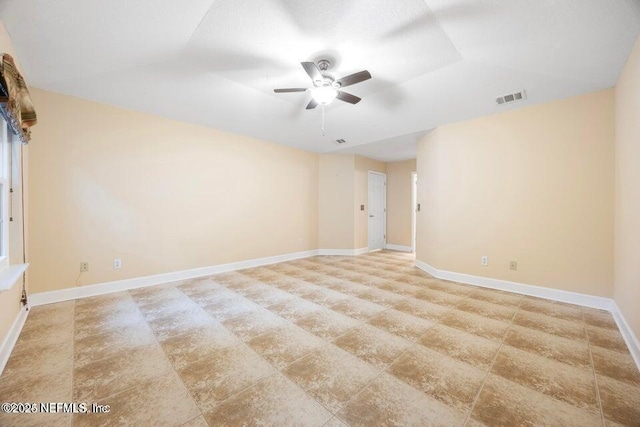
414	209
384	232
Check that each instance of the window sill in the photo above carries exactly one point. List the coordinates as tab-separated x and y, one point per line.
10	275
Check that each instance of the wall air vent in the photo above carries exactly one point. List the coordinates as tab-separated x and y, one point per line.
512	97
341	141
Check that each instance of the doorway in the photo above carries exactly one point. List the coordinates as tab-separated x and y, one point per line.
377	200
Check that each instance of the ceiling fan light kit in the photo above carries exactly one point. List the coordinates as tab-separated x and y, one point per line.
325	87
323	94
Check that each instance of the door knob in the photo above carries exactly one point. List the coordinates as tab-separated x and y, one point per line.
370	216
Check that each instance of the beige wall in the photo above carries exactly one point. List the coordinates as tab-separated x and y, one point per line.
10	300
399	207
161	195
167	196
343	188
627	190
533	185
10	306
335	216
361	195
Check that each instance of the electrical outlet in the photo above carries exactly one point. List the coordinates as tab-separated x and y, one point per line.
485	261
117	264
84	266
513	265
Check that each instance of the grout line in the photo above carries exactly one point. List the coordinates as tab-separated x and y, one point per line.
96	398
159	344
114	353
495	357
382	371
593	367
519	309
327	342
287	323
417	341
197	416
413	344
337	418
362	322
276	369
299	387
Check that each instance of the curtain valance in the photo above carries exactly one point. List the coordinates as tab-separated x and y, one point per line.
15	100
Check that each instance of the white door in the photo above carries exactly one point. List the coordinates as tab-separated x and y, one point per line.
377	210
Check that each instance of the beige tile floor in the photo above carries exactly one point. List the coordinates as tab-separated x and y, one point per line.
367	340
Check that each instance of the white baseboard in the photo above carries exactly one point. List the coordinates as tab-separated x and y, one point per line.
627	333
67	294
12	337
399	248
547	293
76	292
520	288
427	268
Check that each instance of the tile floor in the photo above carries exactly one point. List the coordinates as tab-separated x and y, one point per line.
334	341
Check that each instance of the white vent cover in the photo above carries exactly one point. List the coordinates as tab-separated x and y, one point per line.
341	141
512	97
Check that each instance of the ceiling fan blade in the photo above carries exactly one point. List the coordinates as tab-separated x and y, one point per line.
291	89
312	104
347	97
313	70
354	78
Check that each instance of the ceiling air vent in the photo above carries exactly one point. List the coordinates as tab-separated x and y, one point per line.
512	97
341	141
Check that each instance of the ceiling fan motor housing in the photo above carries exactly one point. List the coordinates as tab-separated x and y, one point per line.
324	64
327	79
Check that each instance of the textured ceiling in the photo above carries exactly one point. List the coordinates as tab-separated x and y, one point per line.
353	34
216	63
398	148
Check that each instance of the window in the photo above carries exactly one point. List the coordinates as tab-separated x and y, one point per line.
5	178
11	232
12	264
18	115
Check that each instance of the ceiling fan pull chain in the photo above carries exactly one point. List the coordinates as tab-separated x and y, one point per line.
322	127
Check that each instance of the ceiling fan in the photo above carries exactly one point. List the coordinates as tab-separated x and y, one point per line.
325	87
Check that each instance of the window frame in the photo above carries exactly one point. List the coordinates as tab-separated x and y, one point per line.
5	184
